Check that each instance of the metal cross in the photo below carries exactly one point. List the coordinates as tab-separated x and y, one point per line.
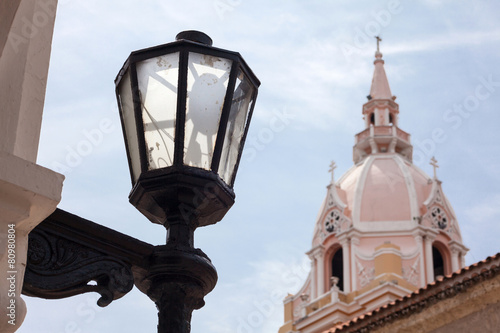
378	42
333	166
435	165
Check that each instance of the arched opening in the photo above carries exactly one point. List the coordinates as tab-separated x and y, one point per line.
338	268
437	262
390	119
372	118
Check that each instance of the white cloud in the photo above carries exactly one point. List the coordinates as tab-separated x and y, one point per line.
485	211
480	229
255	302
444	41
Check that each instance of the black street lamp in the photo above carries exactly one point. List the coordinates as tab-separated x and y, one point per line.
185	109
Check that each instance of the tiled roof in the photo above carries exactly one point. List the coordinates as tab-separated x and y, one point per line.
439	290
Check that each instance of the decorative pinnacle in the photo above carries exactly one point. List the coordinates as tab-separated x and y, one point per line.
378	42
378	55
435	165
333	166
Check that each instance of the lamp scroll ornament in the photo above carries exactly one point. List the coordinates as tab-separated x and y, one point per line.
60	268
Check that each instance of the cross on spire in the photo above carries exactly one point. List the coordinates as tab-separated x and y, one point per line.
333	166
378	42
435	165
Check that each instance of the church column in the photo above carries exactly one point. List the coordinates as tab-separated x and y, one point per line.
320	262
456	254
317	277
429	262
458	251
454	260
353	242
344	242
313	278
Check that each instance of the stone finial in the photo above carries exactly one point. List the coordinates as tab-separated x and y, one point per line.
334	281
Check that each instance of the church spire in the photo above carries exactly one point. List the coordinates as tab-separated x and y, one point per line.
380	85
380	114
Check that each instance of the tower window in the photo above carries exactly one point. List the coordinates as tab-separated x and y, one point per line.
438	262
372	118
338	268
390	119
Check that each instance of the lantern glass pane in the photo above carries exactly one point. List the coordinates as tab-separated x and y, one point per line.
207	81
129	124
238	117
158	80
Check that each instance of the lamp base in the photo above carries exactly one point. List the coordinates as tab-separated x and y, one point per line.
199	195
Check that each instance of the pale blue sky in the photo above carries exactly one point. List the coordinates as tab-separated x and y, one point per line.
315	61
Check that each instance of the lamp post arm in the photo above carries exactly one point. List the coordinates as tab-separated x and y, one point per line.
67	252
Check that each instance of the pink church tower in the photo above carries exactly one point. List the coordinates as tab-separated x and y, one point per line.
384	230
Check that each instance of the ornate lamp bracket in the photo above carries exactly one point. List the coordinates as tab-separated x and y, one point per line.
68	256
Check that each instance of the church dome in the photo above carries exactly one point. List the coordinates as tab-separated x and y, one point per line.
384	188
